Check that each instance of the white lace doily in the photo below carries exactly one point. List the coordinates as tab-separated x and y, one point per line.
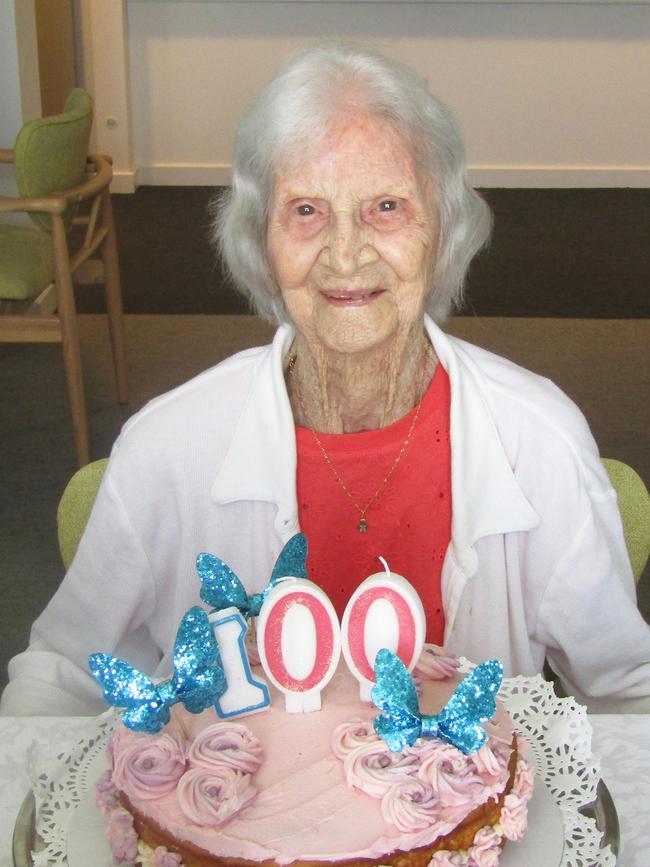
557	731
59	777
559	735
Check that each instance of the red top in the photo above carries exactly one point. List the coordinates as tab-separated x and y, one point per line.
409	525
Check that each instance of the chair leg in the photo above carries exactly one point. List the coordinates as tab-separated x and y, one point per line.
114	306
70	340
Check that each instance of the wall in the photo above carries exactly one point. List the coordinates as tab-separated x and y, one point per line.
56	52
548	94
19	80
10	111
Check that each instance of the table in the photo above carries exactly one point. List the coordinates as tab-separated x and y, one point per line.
622	742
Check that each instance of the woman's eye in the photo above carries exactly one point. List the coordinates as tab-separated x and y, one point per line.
305	210
388	205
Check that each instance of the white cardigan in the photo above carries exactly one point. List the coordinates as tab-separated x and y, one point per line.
536	567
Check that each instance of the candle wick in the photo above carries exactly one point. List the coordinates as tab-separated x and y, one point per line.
381	559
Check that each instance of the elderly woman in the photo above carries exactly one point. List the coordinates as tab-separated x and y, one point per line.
351	223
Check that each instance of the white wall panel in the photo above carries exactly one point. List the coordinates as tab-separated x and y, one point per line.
547	94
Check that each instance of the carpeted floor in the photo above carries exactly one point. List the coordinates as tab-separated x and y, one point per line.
602	364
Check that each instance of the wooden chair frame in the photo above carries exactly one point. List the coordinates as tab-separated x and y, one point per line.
18	323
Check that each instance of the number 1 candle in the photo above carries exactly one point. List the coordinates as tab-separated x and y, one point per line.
244	693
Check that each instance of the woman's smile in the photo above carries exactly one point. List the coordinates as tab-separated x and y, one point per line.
345	298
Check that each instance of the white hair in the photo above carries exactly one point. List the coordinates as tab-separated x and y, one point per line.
293	115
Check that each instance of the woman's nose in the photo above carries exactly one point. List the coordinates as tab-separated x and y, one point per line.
349	245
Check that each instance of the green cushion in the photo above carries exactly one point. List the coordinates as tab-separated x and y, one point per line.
50	152
26	261
75	507
634	506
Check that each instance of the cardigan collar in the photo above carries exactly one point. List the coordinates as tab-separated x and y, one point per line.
485	495
261	461
486	498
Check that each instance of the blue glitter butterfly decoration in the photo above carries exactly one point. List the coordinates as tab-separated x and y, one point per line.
221	588
459	723
198	679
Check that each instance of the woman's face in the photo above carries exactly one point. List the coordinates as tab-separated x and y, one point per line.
352	238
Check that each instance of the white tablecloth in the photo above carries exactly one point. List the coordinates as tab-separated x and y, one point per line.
622	742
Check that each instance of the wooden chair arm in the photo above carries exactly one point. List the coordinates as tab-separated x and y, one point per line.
102	171
56	203
45	205
6	155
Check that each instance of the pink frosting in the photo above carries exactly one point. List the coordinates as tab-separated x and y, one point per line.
226	743
350	735
410	805
147	766
162	857
303	801
524	780
434	664
486	762
374	769
211	796
106	794
121	835
513	822
486	850
514	817
451	774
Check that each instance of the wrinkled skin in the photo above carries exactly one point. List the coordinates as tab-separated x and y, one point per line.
352	238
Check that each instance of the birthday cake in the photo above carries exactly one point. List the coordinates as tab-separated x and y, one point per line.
438	778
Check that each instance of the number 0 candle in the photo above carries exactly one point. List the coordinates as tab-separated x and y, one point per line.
299	642
384	611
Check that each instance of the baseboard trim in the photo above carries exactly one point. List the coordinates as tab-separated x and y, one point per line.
125	181
185	175
526	177
567	177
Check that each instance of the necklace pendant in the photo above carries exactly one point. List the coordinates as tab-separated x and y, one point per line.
363	525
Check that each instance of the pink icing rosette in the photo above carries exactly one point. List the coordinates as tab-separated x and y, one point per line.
147	766
410	805
212	796
350	735
121	835
374	769
106	794
486	850
487	762
434	664
514	817
226	744
524	780
451	774
513	820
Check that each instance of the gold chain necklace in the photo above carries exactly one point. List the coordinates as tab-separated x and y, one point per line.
362	510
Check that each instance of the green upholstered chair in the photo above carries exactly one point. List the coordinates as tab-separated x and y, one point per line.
75	506
60	187
634	506
633	500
